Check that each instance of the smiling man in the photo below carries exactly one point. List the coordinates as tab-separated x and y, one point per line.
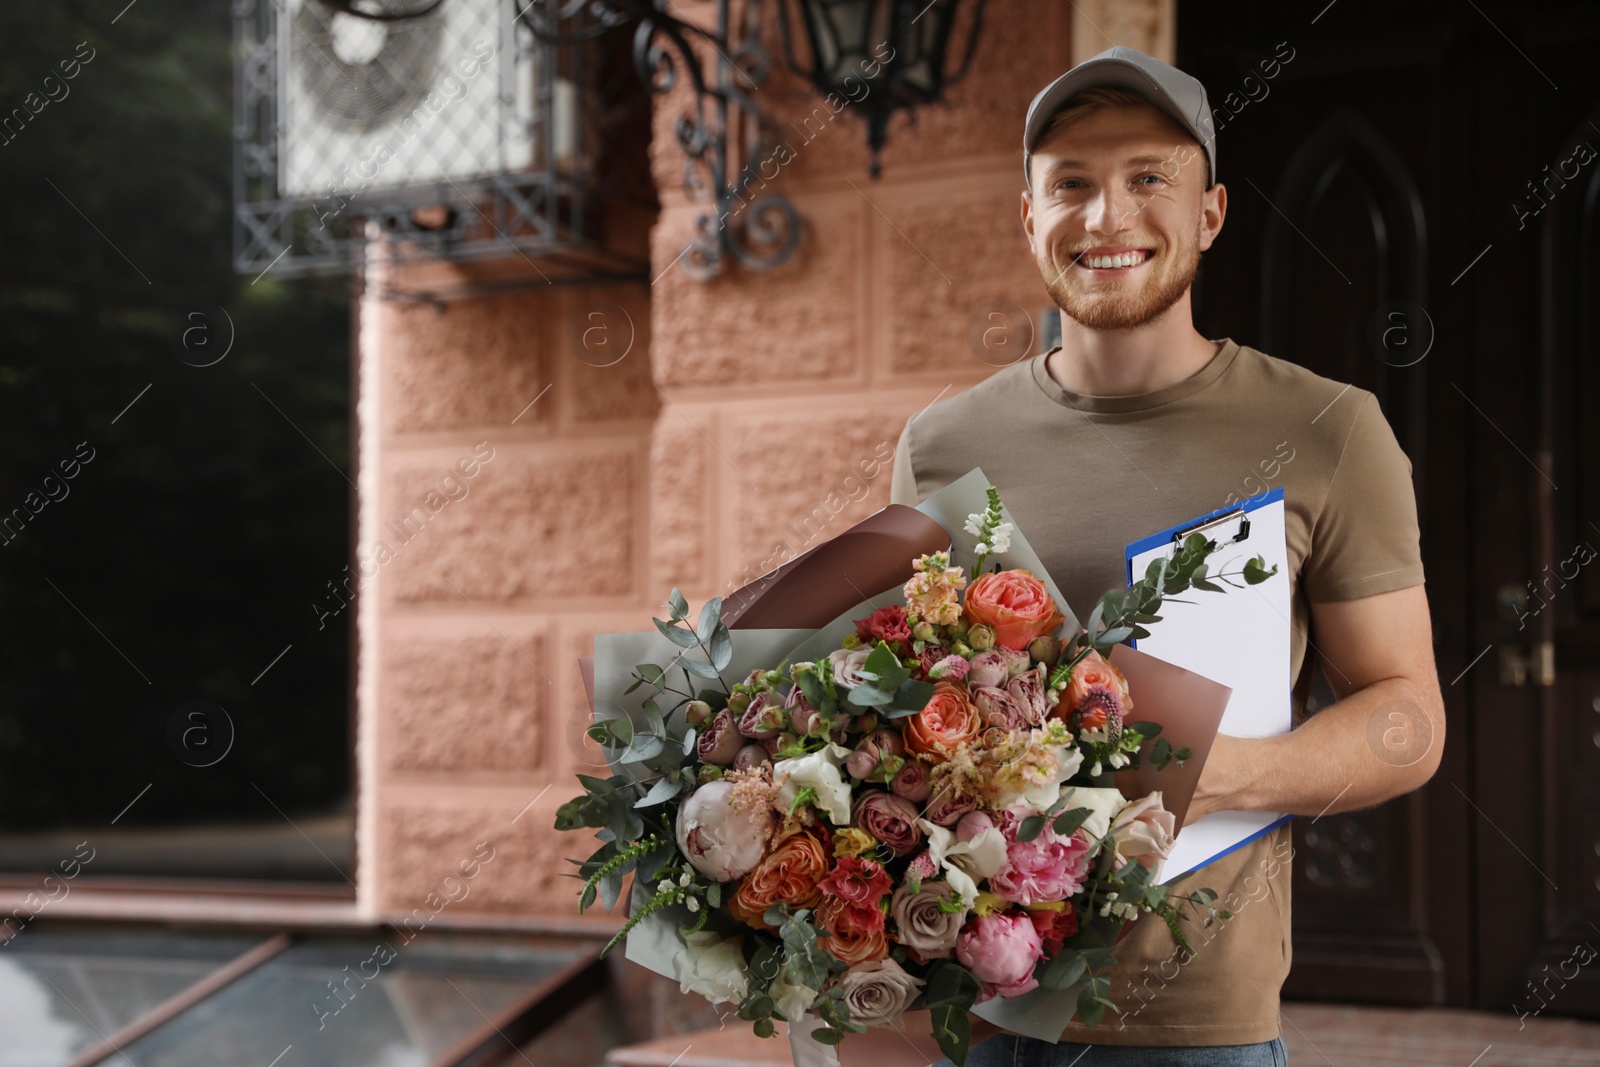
1137	422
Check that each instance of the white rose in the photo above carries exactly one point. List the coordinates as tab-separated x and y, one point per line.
792	999
712	966
818	771
1103	805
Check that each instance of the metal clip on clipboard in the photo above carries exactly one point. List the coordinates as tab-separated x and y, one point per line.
1242	533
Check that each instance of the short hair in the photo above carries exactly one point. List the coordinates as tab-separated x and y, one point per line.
1085	101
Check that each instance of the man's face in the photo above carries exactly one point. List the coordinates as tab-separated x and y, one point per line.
1127	184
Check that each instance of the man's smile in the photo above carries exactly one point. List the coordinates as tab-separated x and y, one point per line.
1108	259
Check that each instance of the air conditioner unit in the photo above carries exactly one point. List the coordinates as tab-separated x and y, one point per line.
368	106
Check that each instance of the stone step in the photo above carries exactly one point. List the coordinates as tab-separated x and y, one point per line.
730	1045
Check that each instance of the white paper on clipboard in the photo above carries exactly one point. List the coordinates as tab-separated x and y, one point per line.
1239	638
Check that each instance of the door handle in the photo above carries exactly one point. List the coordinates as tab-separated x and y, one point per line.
1522	665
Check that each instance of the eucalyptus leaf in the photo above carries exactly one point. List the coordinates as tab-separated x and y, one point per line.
676	634
710	615
680	606
1030	828
1067	967
721	648
696	667
662	791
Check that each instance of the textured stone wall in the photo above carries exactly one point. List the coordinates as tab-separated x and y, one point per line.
751	417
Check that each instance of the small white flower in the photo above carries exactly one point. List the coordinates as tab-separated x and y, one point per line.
980	548
683	879
666	884
1002	537
974	524
693	904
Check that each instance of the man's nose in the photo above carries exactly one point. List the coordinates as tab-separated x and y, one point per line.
1109	210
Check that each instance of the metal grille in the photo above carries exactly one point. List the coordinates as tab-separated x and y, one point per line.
457	131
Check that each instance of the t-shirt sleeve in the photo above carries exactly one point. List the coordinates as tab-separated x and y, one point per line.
903	483
1365	539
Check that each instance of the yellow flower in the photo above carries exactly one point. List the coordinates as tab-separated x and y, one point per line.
852	841
1047	905
988	904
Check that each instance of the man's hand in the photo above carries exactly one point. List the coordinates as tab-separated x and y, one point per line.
1383	737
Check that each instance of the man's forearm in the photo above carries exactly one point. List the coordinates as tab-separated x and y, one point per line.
1379	742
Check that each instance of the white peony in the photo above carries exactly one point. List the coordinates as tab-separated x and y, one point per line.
723	844
818	771
712	966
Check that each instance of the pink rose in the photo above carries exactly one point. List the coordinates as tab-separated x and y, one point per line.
1050	867
987	669
1001	951
946	807
1144	832
931	653
911	781
998	708
720	740
722	843
1027	689
891	819
952	667
750	757
1017	660
848	663
764	717
871	750
974	823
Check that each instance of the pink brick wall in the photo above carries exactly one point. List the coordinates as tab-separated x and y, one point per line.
752	416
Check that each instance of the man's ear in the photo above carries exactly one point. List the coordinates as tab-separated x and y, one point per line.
1213	209
1027	215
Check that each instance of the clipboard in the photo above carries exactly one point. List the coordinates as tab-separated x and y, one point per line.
1240	639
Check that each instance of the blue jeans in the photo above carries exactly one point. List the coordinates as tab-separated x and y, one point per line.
1011	1050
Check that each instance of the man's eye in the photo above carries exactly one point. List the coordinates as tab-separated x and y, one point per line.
1157	177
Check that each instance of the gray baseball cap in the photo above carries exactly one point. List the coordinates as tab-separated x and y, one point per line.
1168	88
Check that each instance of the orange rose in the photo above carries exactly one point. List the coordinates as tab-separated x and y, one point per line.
945	722
1016	604
852	936
1095	672
788	874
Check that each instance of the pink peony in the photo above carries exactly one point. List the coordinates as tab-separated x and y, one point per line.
1050	867
722	843
1001	951
891	819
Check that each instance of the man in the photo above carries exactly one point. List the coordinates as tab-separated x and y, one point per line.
1135	423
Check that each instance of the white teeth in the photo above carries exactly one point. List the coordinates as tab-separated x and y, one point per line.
1125	259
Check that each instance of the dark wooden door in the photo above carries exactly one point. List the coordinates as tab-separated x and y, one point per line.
1414	207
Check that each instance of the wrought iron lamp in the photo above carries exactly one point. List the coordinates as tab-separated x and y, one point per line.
883	55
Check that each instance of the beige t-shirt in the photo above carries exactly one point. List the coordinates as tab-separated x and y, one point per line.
1083	476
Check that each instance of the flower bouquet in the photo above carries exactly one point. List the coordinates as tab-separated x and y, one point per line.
909	810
